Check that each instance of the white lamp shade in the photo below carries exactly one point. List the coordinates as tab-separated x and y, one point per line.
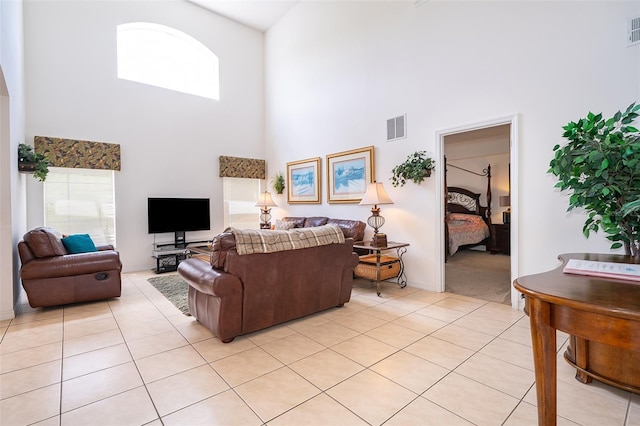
265	200
375	195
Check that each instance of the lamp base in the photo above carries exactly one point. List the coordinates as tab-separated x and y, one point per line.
265	225
506	217
379	240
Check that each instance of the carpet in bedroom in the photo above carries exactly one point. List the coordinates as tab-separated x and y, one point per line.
175	289
479	274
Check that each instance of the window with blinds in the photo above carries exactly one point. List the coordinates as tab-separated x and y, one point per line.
81	201
240	197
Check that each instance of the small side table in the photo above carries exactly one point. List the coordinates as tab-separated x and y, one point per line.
384	267
502	238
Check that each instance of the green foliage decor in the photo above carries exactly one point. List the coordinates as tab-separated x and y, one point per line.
30	160
277	183
600	165
416	167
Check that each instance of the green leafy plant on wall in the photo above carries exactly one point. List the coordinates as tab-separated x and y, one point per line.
277	183
31	162
415	168
600	166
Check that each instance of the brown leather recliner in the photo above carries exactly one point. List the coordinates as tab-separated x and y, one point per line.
51	276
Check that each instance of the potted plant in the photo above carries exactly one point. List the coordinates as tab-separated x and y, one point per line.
416	167
600	165
277	183
31	162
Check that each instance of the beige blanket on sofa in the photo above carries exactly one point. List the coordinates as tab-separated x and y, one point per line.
249	241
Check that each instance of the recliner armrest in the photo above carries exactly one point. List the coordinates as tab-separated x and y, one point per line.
71	264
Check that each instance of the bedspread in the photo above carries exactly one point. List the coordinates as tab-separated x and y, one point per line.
465	229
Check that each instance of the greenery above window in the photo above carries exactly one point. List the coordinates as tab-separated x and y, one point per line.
29	161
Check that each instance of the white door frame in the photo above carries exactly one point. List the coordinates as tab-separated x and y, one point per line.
440	194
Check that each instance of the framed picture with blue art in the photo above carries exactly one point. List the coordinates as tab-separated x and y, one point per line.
349	174
303	179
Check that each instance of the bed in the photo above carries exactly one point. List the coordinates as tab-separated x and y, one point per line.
467	222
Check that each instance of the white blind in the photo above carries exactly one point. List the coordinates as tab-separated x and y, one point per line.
81	201
240	197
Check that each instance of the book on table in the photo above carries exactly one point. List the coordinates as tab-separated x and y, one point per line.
623	271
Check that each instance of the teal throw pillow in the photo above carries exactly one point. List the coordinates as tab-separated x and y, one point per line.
79	243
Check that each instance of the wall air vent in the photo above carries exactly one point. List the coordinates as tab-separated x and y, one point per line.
633	31
397	128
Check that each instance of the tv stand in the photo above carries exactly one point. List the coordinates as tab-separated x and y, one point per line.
168	256
180	239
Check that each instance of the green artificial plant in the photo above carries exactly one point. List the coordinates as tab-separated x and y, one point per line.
416	167
600	165
29	160
277	183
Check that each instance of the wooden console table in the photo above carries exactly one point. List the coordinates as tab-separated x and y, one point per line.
606	311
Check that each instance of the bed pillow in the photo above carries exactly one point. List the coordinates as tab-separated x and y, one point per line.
79	243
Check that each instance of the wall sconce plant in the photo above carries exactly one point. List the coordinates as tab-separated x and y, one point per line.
31	162
416	167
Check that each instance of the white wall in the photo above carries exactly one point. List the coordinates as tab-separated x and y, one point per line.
170	141
335	71
12	184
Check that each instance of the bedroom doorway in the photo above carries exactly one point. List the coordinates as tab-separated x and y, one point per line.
479	159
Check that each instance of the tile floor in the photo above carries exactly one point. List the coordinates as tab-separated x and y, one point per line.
410	357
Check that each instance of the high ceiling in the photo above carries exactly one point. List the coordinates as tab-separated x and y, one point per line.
258	14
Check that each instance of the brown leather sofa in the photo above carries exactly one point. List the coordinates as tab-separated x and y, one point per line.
350	228
238	294
51	276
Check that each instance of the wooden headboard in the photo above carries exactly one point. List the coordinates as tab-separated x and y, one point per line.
460	200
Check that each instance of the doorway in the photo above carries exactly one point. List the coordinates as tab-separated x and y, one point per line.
471	149
8	285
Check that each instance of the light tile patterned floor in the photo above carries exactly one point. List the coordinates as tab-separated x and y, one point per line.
410	357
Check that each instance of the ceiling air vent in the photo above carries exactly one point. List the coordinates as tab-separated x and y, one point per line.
633	31
397	128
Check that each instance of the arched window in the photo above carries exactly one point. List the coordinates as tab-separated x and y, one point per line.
162	56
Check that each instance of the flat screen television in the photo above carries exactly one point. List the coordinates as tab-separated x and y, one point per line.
178	215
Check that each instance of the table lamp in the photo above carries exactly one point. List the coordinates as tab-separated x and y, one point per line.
505	201
265	202
374	196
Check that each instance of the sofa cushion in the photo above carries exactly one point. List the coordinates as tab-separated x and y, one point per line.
284	225
297	221
45	242
250	241
315	221
79	243
351	228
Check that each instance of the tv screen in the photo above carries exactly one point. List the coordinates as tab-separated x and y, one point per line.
178	215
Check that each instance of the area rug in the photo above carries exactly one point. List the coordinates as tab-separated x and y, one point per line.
175	289
479	274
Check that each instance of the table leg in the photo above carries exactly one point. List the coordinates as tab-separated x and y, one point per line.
402	277
378	272
543	338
